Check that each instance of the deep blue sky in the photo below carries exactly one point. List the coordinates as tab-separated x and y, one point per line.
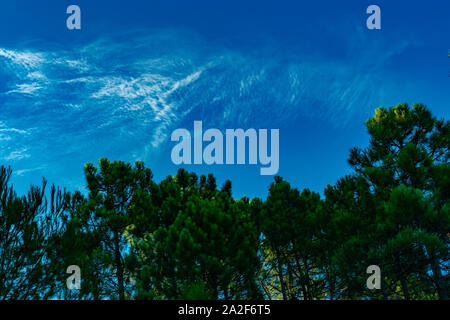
140	69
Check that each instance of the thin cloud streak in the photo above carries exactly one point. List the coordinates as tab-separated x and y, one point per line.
133	94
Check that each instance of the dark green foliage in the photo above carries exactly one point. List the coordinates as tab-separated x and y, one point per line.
99	228
187	238
28	225
203	236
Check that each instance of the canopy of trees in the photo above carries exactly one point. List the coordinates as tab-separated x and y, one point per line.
187	238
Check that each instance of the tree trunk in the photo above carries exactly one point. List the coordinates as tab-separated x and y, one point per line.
405	288
308	279
119	266
280	275
330	284
438	279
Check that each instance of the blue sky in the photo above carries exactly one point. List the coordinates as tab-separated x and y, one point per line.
140	69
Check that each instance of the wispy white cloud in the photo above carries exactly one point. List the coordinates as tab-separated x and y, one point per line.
26	88
125	97
25	59
23	172
17	155
7	133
